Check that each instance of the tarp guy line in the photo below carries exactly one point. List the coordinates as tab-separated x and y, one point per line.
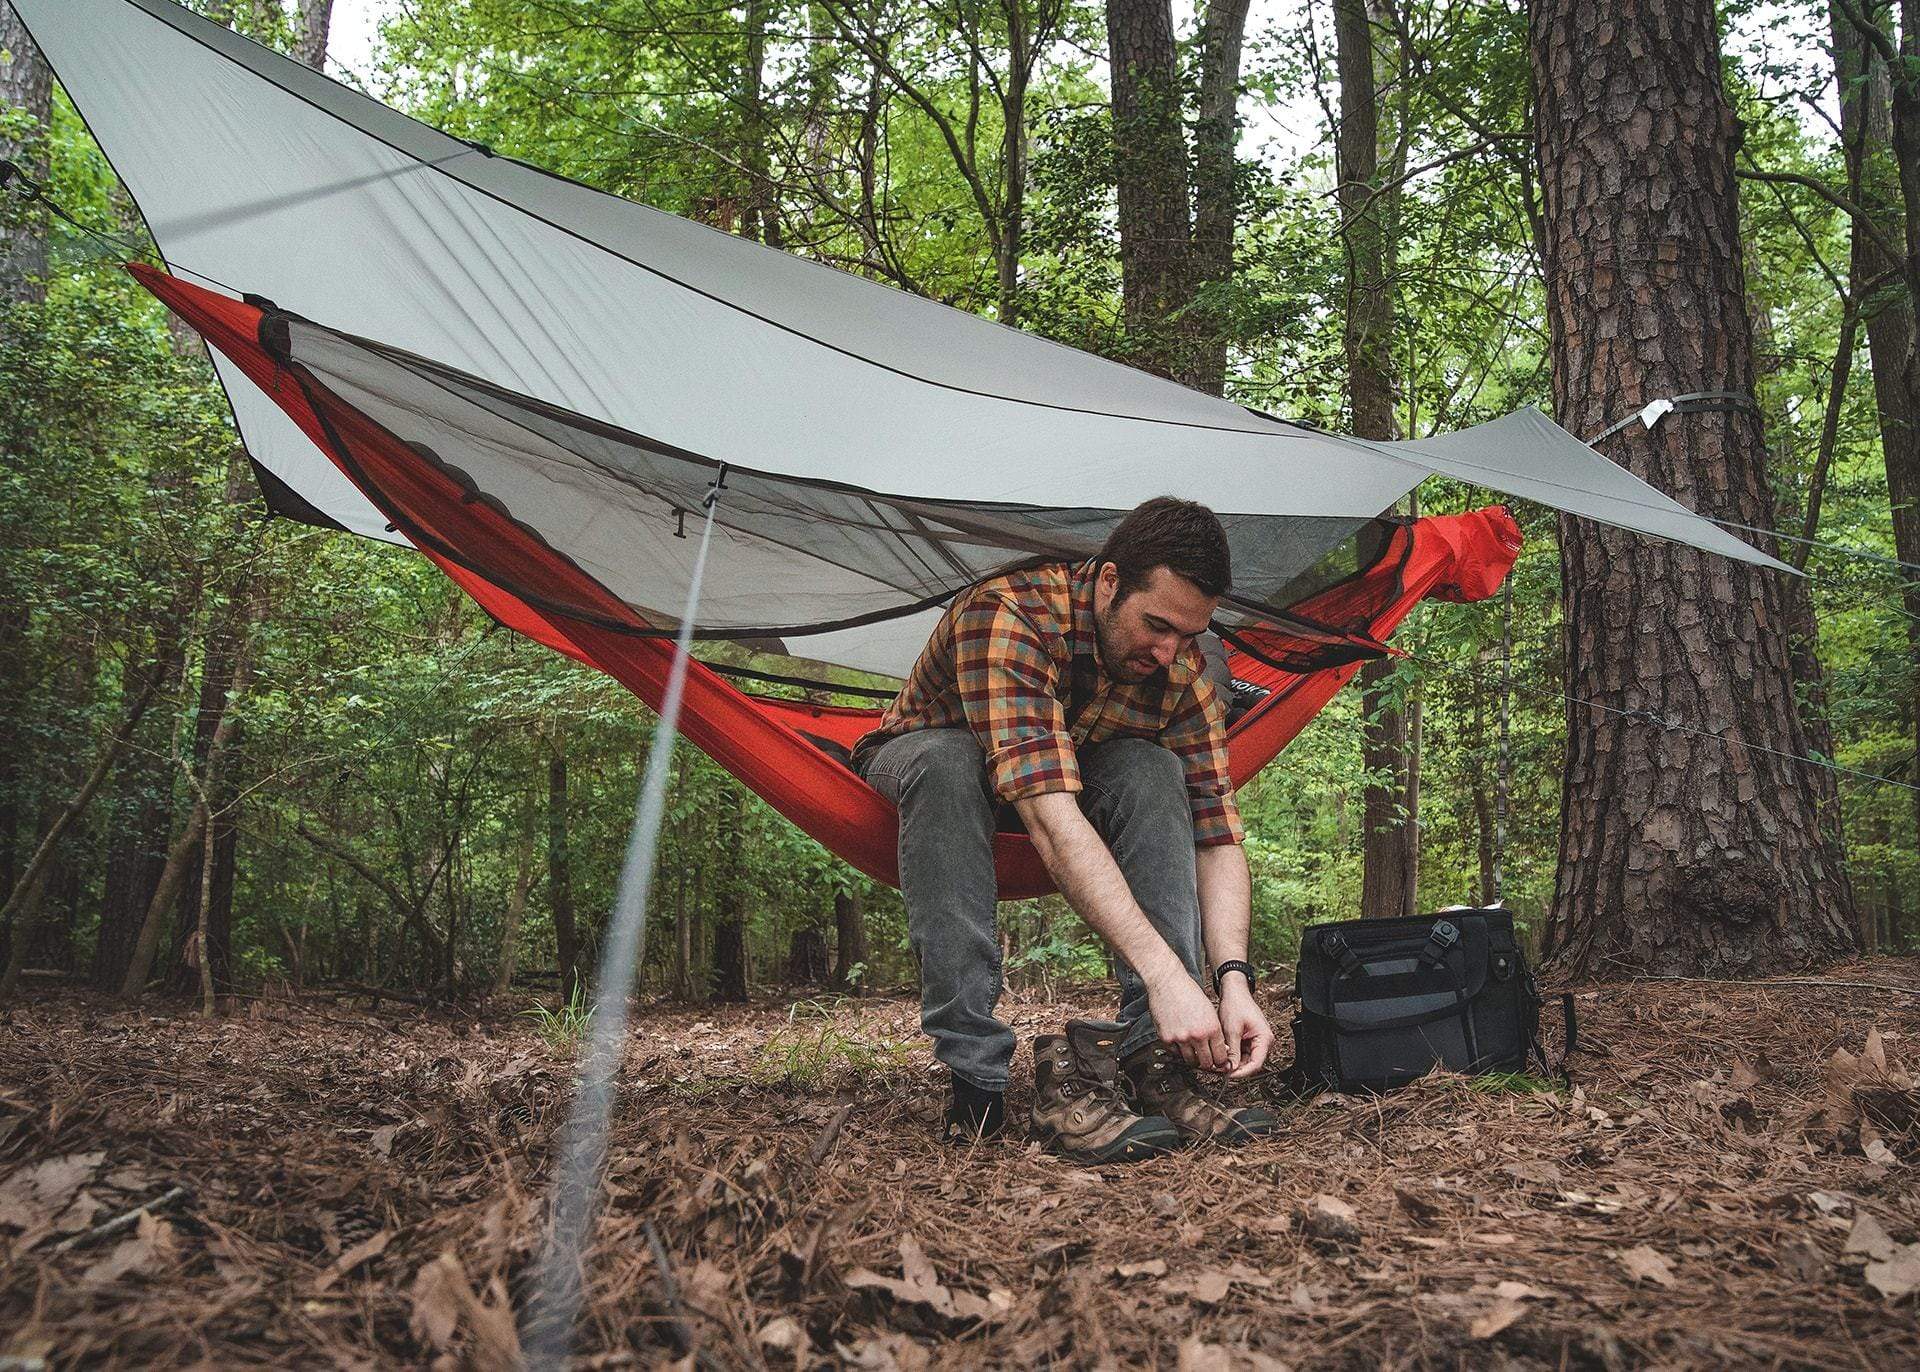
576	1187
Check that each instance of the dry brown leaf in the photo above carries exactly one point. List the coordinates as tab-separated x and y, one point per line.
1208	1288
1520	1291
1497	1317
884	1353
33	1198
1152	1267
436	1295
148	1249
1646	1264
1870	1238
370	1247
784	1335
1899	1275
1196	1355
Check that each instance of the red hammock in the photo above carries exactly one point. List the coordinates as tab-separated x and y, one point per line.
764	742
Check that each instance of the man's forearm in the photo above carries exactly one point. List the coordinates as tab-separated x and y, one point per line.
1084	870
1226	902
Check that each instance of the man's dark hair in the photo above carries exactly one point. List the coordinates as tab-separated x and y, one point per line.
1179	535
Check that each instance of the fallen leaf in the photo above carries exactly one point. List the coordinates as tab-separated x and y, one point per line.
1153	1267
436	1300
1208	1288
1520	1291
784	1334
1899	1275
382	1139
148	1249
1877	1151
1330	1218
1645	1264
1869	1238
1498	1316
370	1247
884	1353
1198	1356
33	1198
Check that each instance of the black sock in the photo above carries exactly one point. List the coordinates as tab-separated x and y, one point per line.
974	1112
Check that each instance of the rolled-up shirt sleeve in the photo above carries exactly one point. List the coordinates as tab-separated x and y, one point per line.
1197	734
1008	685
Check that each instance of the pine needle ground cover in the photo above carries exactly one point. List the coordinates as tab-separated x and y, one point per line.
1735	1181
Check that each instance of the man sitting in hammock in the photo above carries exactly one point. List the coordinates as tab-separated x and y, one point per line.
1077	695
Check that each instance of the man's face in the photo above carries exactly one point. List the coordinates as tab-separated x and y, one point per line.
1150	628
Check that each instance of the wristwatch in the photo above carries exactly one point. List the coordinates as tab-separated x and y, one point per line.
1244	968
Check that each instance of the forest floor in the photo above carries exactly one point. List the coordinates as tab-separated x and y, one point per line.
1735	1181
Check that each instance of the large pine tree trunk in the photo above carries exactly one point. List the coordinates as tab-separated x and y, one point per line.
1150	167
1679	853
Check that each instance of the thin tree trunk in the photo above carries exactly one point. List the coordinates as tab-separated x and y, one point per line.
316	18
1150	164
180	856
26	85
1680	852
560	878
1881	286
849	940
1387	860
1215	135
730	925
523	867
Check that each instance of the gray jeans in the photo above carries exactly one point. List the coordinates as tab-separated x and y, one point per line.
1134	793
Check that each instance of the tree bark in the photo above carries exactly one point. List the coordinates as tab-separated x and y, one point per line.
141	812
1388	851
560	879
849	941
1150	172
730	922
1881	290
1215	208
26	84
316	18
1680	852
523	865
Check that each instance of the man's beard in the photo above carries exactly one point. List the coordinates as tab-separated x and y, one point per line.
1111	662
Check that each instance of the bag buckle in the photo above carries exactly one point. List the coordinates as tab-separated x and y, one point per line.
1335	945
1440	939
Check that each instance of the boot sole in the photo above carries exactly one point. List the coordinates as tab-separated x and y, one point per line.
1128	1148
1236	1135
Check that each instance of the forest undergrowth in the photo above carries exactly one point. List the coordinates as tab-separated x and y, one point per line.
1730	1181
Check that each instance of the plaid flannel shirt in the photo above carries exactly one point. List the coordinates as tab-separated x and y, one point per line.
1001	663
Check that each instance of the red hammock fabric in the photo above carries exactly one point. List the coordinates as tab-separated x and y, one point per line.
763	741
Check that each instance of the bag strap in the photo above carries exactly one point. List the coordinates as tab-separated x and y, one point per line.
1570	1040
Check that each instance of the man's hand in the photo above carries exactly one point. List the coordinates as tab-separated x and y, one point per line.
1248	1035
1186	1020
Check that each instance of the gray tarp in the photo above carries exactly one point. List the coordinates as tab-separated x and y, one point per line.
257	174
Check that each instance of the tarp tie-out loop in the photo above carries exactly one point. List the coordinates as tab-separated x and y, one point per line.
1693	402
713	491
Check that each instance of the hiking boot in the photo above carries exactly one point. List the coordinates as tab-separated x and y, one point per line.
1079	1109
973	1113
1163	1083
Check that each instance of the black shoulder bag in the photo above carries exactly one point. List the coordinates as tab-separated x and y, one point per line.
1385	1001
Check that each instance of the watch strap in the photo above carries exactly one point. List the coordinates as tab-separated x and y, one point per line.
1244	968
